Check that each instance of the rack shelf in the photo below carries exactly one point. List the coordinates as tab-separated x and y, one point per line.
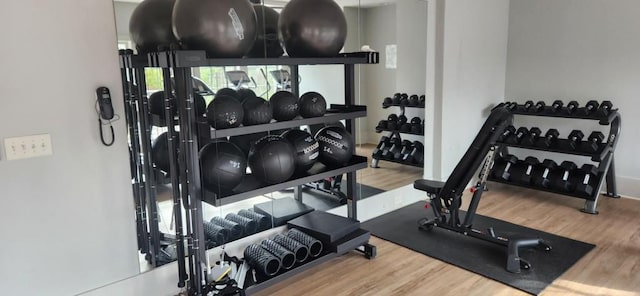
562	146
398	105
252	187
563	113
572	194
397	131
400	162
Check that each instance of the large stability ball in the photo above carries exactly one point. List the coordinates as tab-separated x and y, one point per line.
267	44
156	104
223	28
256	111
271	160
150	25
225	112
284	105
312	28
336	145
312	104
223	166
305	147
160	152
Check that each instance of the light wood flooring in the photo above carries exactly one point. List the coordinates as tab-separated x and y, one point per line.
389	175
612	268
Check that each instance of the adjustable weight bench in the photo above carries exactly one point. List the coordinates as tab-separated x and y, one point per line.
446	197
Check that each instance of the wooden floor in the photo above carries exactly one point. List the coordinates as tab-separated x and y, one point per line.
612	268
389	175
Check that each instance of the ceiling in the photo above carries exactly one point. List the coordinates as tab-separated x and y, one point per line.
345	3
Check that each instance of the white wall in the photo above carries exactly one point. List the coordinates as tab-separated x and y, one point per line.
68	219
467	76
123	11
581	50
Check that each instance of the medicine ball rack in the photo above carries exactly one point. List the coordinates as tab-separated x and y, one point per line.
396	134
184	161
604	155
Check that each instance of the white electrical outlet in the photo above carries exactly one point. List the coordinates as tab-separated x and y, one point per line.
28	146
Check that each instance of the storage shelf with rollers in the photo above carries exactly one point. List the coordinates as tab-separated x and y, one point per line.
565	178
391	147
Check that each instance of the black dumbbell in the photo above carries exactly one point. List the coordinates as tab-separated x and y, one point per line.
572	107
416	155
404	102
396	99
556	106
590	107
575	137
563	183
539	107
387	102
394	144
550	138
511	105
422	100
605	108
402	119
517	136
594	141
531	163
406	149
527	105
504	170
392	122
510	130
416	125
532	137
589	172
382	125
414	101
542	180
382	145
405	128
404	96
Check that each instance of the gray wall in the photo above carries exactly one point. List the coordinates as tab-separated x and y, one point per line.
68	219
581	50
123	11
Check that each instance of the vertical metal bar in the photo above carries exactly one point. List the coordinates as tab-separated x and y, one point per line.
612	141
188	131
147	166
349	99
174	173
612	191
297	193
295	89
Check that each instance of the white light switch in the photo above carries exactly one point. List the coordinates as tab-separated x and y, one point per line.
28	147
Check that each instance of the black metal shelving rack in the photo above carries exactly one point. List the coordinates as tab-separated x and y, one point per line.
184	162
604	155
395	133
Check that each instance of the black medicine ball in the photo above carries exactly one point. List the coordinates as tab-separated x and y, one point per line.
305	147
312	104
244	142
245	93
227	92
284	105
271	160
225	112
156	105
336	145
160	152
223	166
256	111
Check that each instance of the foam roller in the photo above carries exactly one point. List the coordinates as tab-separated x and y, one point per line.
263	221
235	230
215	233
262	260
248	226
314	245
301	251
287	258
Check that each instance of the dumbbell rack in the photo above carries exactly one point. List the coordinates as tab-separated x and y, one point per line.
184	162
396	134
604	155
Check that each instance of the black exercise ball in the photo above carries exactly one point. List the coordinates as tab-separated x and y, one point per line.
267	44
336	145
228	92
284	105
160	152
244	142
225	112
244	93
312	104
223	165
156	105
256	111
271	160
150	25
305	148
312	28
223	28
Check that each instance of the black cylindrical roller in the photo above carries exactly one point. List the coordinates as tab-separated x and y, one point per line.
314	245
301	251
235	230
263	221
215	233
248	226
287	258
262	260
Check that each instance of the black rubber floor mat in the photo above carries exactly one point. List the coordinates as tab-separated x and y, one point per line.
478	256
